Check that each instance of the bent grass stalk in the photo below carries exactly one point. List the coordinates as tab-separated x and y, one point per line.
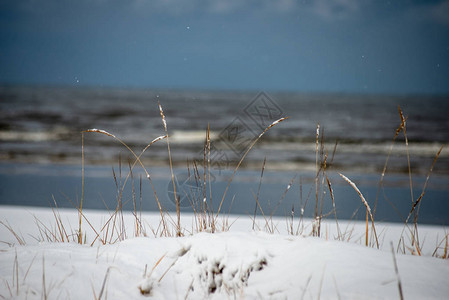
18	237
445	240
368	209
137	159
331	191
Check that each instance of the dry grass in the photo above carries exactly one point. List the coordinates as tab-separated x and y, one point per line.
102	290
178	209
396	270
113	228
368	210
444	246
258	191
202	203
19	238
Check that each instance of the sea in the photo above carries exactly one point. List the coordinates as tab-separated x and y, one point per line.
250	153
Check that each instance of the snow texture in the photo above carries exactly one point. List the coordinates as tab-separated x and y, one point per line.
240	264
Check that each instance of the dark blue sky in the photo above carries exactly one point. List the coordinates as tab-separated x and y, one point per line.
325	45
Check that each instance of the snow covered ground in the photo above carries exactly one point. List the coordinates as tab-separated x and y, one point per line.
238	264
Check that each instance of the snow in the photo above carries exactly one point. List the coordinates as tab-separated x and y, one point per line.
240	263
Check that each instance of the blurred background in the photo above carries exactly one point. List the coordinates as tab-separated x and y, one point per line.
309	46
69	66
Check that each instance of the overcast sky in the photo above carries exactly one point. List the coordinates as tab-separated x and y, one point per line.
325	45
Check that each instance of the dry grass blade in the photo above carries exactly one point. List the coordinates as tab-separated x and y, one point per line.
403	125
137	158
333	153
445	240
44	286
211	215
178	209
289	186
19	239
317	170
100	131
302	206
384	170
396	270
61	228
136	161
357	190
82	189
15	272
88	222
404	129
243	157
168	269
104	283
418	201
145	291
331	191
368	209
267	225
189	289
143	151
323	162
28	269
258	190
305	287
414	211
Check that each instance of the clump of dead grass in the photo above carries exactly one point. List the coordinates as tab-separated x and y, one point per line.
206	219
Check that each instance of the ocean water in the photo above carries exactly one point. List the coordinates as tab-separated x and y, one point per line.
40	148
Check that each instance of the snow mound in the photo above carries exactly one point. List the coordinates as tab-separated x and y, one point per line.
232	265
220	265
